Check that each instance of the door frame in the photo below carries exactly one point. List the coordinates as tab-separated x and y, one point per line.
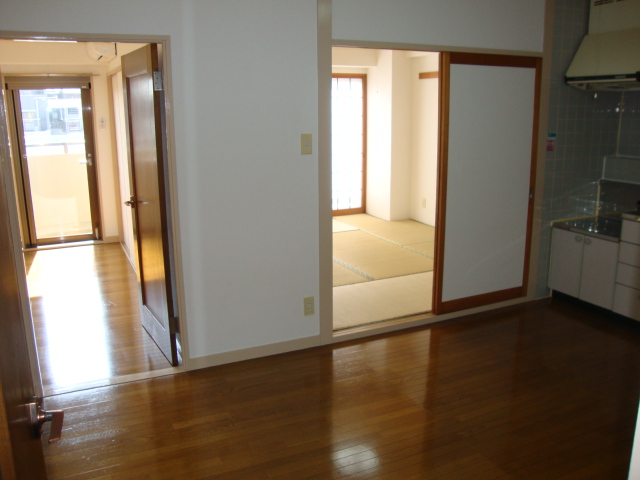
21	169
169	137
325	41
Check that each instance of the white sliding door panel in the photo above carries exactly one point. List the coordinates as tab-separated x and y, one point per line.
491	123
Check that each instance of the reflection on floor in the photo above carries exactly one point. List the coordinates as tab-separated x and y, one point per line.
382	270
540	391
86	314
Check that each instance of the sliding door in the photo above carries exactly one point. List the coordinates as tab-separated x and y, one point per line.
488	136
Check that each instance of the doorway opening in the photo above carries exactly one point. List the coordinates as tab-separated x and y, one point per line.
384	253
86	285
56	178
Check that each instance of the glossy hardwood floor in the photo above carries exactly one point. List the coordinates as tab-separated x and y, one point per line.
548	391
86	313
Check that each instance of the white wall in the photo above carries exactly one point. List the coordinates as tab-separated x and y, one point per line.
379	109
516	25
400	135
245	86
248	200
424	140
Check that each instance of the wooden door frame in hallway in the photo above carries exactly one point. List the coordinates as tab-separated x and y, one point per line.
172	213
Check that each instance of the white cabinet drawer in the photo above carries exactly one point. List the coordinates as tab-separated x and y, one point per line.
630	232
626	301
566	261
628	275
598	277
629	254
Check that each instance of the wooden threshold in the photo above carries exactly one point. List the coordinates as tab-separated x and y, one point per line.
117	380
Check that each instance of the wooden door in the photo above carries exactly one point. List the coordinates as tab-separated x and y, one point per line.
145	110
487	149
21	454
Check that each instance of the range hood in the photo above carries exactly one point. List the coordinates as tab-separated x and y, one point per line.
609	56
607	61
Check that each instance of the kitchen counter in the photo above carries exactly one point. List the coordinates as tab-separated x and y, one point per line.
607	227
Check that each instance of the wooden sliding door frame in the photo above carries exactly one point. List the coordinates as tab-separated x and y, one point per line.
446	59
363	208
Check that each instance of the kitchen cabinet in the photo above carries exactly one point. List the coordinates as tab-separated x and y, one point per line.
584	267
566	262
627	292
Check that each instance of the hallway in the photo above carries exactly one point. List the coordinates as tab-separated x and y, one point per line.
86	313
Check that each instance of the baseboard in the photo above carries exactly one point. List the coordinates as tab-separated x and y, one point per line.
111	239
251	353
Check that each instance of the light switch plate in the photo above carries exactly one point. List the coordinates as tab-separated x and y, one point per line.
305	143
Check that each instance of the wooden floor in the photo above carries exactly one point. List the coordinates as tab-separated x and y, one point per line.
544	392
86	313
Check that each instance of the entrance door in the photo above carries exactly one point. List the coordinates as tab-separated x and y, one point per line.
145	106
55	159
348	143
21	454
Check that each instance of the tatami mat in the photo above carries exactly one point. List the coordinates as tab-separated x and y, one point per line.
339	226
381	271
344	276
426	248
405	232
364	303
377	258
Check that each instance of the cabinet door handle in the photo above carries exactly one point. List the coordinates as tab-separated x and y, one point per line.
578	238
587	241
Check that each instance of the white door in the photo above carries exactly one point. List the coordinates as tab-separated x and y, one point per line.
488	137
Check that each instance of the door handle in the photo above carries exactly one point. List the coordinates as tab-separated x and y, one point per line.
131	202
38	417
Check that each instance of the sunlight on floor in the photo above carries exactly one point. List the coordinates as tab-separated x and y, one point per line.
73	304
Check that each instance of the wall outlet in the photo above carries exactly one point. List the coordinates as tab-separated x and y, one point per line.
309	307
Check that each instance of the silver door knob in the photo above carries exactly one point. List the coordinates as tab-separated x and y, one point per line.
131	202
38	417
